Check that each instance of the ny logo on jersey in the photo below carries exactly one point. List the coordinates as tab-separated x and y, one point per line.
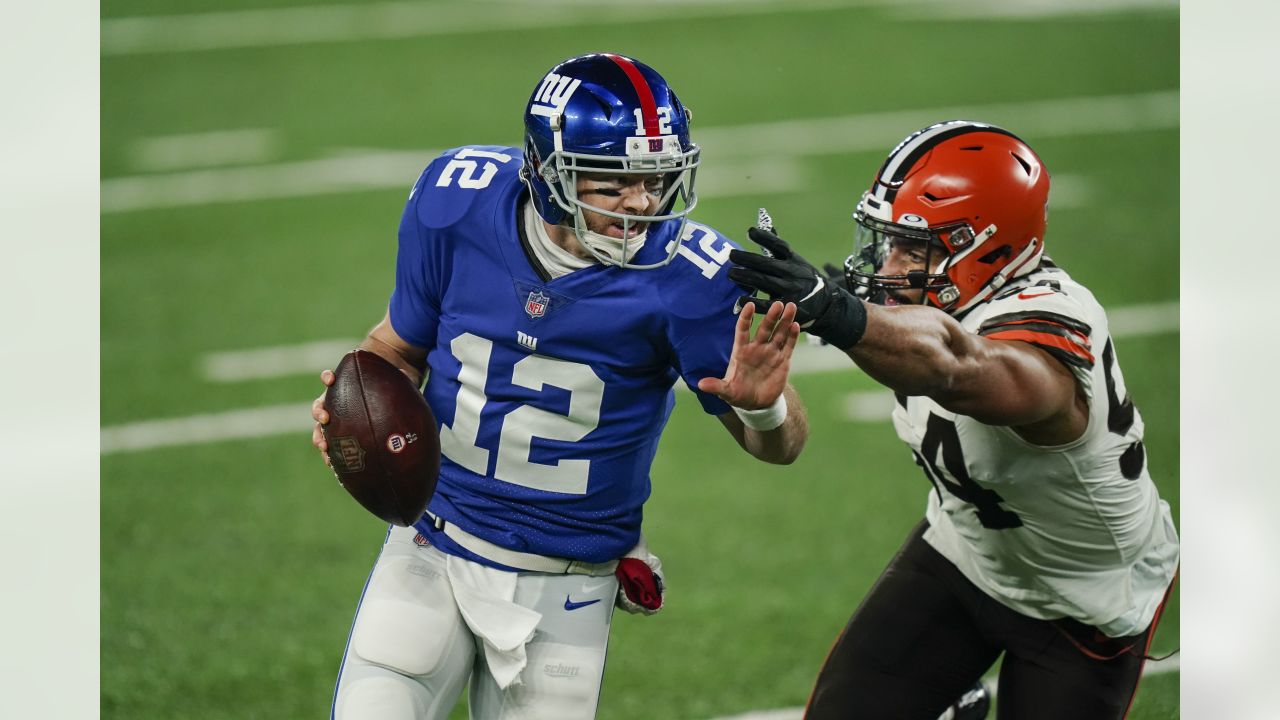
527	340
553	94
537	304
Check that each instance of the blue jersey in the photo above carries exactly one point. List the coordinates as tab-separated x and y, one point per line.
550	394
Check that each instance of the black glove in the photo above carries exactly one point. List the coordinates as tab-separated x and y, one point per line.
824	308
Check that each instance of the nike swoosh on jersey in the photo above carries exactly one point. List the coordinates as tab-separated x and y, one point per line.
571	605
1024	296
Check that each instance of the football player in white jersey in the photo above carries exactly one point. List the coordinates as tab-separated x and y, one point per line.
1044	538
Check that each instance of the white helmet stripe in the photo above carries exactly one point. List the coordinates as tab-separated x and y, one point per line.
903	157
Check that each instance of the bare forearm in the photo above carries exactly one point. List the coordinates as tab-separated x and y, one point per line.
384	341
913	350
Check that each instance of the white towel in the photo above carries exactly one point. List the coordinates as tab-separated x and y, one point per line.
485	596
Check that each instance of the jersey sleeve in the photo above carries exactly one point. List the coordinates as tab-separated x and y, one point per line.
1052	321
421	269
701	310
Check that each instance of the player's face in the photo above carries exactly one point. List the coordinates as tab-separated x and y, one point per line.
624	194
903	256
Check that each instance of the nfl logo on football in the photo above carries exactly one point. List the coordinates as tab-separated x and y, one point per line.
537	303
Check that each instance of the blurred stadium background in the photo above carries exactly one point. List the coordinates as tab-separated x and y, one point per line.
255	158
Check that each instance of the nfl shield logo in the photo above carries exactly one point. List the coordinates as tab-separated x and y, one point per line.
537	303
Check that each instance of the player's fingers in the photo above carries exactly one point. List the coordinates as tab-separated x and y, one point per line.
791	336
771	242
326	377
761	305
742	330
714	386
318	413
786	319
757	280
769	324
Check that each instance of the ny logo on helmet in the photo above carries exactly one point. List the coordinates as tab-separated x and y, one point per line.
537	303
553	94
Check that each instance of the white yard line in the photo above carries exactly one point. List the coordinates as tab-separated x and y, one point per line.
391	20
213	427
1130	321
277	361
1152	668
934	10
747	159
380	170
314	356
210	149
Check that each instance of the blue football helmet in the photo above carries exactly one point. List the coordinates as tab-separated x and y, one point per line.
607	113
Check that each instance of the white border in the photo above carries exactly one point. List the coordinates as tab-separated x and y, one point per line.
49	427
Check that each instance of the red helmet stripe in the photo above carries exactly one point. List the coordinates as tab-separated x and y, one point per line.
648	108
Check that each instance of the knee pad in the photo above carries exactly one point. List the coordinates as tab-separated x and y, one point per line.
380	697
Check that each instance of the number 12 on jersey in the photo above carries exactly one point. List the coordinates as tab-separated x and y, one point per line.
459	441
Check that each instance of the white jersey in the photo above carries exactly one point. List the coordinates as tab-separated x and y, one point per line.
1075	530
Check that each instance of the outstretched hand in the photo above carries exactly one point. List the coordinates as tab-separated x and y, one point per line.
825	308
759	362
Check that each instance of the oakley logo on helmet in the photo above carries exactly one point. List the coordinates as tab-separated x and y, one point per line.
553	95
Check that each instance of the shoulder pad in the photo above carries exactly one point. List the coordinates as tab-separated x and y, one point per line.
462	177
1041	314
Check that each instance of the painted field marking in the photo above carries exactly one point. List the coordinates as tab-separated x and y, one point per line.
314	356
378	170
934	10
210	149
283	27
725	172
207	428
276	361
1129	321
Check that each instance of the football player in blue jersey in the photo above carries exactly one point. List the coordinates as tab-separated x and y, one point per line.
552	297
1045	541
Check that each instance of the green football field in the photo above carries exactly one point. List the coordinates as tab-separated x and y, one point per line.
255	160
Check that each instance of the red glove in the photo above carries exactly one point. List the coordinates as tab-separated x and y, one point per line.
640	586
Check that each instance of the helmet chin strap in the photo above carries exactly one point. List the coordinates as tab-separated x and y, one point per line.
608	250
611	250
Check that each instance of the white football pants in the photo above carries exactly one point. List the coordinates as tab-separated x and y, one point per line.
414	643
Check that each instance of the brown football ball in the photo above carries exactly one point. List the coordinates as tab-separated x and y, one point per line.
382	438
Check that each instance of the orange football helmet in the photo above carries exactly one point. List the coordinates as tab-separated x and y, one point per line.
974	192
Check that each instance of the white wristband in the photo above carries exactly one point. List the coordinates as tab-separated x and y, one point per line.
765	419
